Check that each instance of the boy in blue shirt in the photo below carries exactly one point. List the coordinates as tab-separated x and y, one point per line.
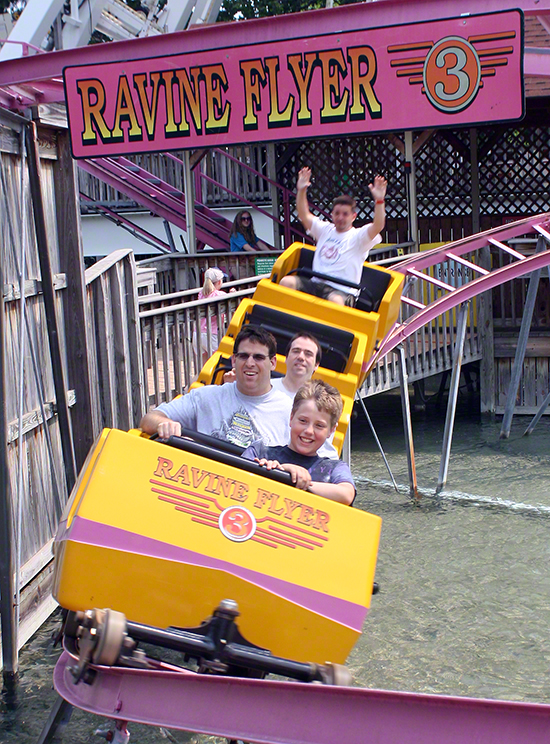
315	412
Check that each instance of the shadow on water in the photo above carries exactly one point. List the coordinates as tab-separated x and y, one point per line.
463	606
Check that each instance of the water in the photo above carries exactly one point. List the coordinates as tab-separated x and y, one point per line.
463	607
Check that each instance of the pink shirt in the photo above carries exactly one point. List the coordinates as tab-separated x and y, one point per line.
214	318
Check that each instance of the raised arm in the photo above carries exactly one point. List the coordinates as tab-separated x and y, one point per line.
302	185
378	191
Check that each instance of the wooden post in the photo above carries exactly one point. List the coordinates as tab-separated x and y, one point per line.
485	332
275	203
474	168
49	305
71	259
411	191
7	562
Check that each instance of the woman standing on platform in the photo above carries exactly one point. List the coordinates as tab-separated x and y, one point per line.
242	235
213	279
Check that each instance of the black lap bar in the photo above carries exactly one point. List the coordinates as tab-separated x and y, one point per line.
335	343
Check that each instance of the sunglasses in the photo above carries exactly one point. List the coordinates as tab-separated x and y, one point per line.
242	356
246	219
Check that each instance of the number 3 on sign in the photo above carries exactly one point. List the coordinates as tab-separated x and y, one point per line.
452	74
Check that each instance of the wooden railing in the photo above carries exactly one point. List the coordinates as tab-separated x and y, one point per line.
171	337
177	272
114	342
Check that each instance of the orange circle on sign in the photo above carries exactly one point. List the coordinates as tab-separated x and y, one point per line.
452	74
237	523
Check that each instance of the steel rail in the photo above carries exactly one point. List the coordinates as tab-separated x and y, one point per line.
459	295
271	711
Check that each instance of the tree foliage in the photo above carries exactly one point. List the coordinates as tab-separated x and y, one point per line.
234	10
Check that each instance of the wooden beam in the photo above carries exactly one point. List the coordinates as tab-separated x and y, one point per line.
71	261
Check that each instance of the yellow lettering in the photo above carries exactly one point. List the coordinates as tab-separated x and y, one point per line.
361	83
190	100
216	82
125	112
302	78
335	101
149	111
253	73
92	112
275	117
171	128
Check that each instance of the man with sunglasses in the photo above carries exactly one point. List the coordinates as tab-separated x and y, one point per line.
239	412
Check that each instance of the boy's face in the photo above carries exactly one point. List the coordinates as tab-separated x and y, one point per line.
309	428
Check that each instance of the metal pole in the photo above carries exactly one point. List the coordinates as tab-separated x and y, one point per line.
379	444
544	403
537	416
453	395
189	186
49	306
169	236
522	345
407	423
346	446
7	558
411	177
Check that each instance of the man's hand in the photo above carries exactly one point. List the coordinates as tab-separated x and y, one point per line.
168	428
378	188
304	179
230	376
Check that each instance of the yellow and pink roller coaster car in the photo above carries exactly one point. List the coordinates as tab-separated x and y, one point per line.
164	534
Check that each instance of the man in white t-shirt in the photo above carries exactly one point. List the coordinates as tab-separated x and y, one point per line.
341	248
239	412
303	356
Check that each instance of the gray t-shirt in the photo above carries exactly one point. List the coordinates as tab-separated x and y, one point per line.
223	412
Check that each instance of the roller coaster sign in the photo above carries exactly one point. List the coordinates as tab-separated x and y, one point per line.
450	72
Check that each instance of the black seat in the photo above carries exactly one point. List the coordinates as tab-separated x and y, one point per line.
373	288
373	284
335	343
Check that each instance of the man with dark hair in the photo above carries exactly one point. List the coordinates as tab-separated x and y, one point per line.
341	248
303	356
238	412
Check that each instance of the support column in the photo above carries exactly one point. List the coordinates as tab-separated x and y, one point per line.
60	386
71	263
407	422
189	188
453	395
7	557
474	169
411	188
521	347
275	201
